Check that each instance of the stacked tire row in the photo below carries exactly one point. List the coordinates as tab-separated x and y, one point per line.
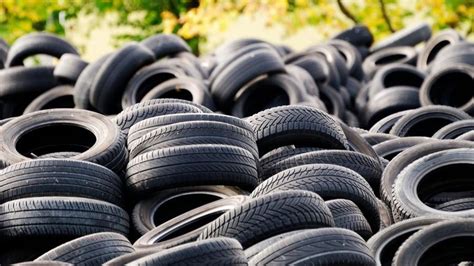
346	153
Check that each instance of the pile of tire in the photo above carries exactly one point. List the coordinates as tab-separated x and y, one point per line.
346	153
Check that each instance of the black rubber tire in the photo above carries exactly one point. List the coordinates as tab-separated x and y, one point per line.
216	251
438	42
37	43
163	168
469	136
324	246
271	91
409	36
391	148
146	79
3	52
93	249
377	138
58	97
186	88
425	121
400	54
455	129
456	205
59	177
145	211
69	68
288	125
333	101
270	215
241	71
385	243
158	237
20	85
143	127
165	45
275	156
395	75
353	86
130	257
402	160
451	86
358	35
317	66
351	119
129	117
362	98
330	182
42	263
59	155
443	243
347	215
409	190
50	217
358	143
385	124
230	47
305	77
195	132
165	100
461	53
386	218
84	83
253	250
334	58
95	136
388	102
191	65
110	82
351	56
362	164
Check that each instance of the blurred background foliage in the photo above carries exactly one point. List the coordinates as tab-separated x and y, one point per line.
96	26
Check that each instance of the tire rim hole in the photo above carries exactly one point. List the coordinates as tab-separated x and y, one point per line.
451	251
178	93
55	138
453	89
151	82
427	127
402	78
66	101
264	95
390	248
393	58
436	50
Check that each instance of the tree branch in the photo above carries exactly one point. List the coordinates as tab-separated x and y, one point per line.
346	12
385	16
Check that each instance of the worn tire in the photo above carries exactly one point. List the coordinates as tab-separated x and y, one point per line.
347	215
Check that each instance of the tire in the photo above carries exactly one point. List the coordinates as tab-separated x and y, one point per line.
451	86
469	136
330	182
191	64
362	164
455	129
446	243
195	132
386	218
457	205
377	138
20	85
60	217
241	71
305	77
333	101
58	97
359	144
69	68
165	45
272	91
95	136
409	36
37	43
152	212
216	251
165	100
385	124
395	75
59	155
401	55
302	125
228	48
334	58
182	88
317	66
143	127
130	257
84	82
129	117
208	163
253	250
325	246
148	77
188	226
351	56
402	160
409	190
93	249
110	83
362	98
358	35
390	101
275	156
275	213
435	45
425	121
59	177
391	148
385	243
347	215
353	86
42	263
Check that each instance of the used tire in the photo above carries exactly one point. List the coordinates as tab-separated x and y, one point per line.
69	68
391	148
455	129
435	45
409	36
165	45
399	54
58	97
393	76
385	124
347	215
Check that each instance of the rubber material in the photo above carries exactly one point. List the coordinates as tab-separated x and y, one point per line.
347	215
69	68
58	97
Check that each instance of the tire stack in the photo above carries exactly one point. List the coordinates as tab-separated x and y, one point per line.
346	153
